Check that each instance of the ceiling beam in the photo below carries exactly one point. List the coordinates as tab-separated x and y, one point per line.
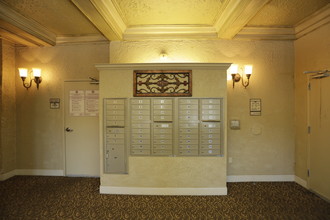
16	24
235	15
104	15
64	39
15	39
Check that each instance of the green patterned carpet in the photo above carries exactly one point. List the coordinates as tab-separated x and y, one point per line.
35	197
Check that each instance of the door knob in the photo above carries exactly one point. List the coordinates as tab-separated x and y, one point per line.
68	129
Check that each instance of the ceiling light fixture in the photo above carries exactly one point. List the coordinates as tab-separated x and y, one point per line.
163	56
36	72
238	73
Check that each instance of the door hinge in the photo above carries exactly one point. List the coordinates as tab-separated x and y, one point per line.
309	86
309	129
308	173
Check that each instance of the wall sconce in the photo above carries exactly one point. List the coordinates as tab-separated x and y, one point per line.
238	75
23	73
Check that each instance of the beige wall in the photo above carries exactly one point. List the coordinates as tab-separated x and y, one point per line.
265	144
176	172
8	108
40	131
312	52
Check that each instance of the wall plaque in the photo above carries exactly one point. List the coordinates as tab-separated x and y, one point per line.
162	83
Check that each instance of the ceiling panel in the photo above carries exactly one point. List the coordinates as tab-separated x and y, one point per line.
59	16
285	12
168	12
156	19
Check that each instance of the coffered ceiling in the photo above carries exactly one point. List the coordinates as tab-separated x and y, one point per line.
51	22
168	12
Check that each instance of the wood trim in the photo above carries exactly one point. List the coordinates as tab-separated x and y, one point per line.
39	172
81	39
163	66
15	39
263	33
314	21
163	191
261	178
25	28
7	175
300	181
155	32
31	172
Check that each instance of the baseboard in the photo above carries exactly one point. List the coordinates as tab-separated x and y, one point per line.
163	191
300	181
261	178
7	175
39	172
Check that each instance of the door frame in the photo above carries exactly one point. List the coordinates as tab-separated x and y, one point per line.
91	81
309	80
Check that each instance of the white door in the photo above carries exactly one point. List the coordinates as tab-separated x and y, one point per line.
81	129
319	138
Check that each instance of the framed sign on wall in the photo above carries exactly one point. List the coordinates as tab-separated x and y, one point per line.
159	83
255	107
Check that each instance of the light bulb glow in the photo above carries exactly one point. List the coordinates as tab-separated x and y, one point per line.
23	72
36	72
233	69
163	57
248	69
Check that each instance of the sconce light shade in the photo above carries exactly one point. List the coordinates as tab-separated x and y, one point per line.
248	69
233	69
23	72
36	72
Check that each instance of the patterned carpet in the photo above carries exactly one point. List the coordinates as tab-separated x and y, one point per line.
35	197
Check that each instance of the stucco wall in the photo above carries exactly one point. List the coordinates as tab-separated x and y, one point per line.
265	144
8	108
312	52
154	172
40	131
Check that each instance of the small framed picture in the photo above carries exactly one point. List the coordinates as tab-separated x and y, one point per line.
54	103
255	107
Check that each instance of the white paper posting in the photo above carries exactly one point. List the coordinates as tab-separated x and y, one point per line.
92	103
77	103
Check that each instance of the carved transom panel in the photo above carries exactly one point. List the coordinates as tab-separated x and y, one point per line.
162	83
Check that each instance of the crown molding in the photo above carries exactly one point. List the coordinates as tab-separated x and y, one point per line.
25	28
162	66
61	40
266	33
163	32
235	15
312	22
104	16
